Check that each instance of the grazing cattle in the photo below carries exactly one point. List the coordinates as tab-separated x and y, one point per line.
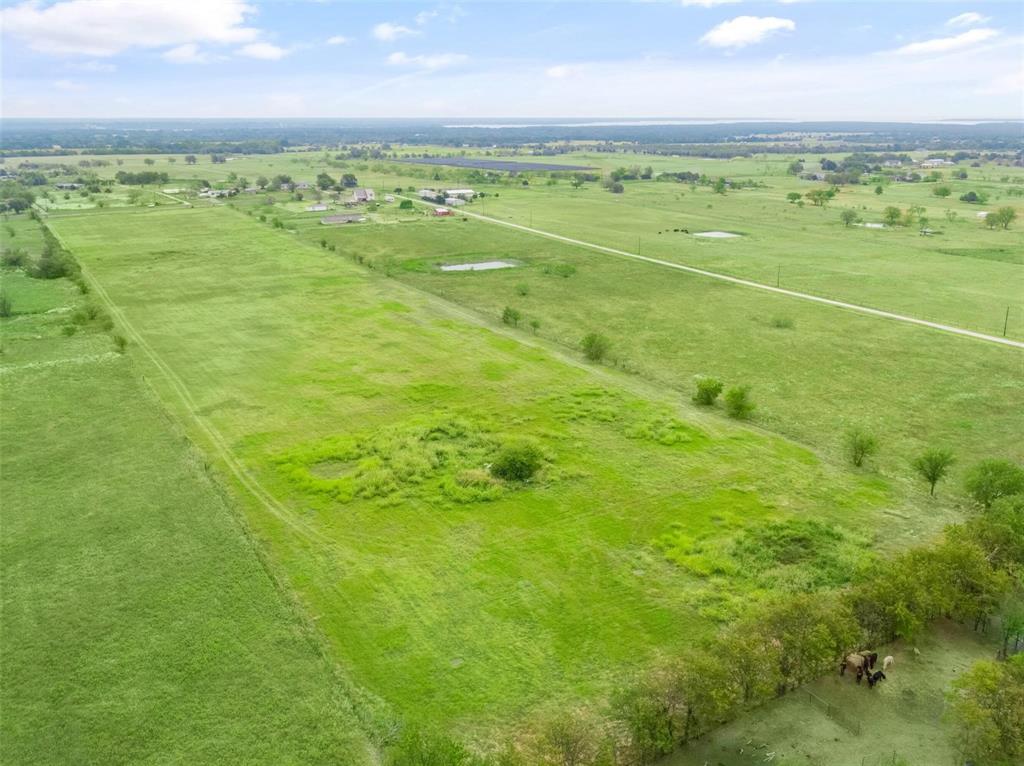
870	657
875	677
888	662
857	661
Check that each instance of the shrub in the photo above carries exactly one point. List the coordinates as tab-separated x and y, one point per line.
518	461
6	309
415	748
932	465
69	329
738	403
14	258
120	343
511	316
783	323
860	445
849	217
707	392
595	346
990	480
535	325
405	204
522	289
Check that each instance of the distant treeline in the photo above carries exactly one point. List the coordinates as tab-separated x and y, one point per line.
23	136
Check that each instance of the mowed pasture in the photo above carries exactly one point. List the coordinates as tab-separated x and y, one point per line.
364	413
815	371
140	623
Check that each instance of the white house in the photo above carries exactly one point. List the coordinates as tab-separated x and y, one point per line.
318	207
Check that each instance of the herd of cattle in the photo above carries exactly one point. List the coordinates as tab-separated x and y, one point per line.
864	664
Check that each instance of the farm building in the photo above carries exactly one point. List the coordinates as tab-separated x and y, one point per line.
343	218
363	195
389	197
428	193
454	201
318	207
460	193
442	211
301	185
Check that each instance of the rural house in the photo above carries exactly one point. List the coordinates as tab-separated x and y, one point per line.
363	195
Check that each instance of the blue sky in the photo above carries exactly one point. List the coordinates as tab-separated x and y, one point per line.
810	59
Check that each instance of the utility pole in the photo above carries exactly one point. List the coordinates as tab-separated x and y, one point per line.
1006	320
778	276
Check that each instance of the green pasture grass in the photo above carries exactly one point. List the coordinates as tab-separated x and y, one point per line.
138	622
815	371
962	274
901	717
369	412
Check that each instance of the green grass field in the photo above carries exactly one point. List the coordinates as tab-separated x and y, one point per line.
821	372
139	622
300	434
367	409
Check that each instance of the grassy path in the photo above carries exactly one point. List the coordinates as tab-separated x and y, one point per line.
742	282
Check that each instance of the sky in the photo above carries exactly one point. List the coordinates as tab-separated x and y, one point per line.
696	59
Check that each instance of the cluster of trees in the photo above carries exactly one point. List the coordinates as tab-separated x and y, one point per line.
1001	218
15	197
738	403
142	178
970	576
974	198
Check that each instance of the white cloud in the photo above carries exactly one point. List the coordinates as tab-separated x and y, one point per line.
948	44
338	40
968	19
562	71
107	27
746	30
265	51
424	17
388	32
430	62
96	66
708	3
188	53
67	85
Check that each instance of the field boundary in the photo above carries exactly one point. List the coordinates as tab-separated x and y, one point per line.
972	334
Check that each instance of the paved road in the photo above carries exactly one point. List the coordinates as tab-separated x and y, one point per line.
743	282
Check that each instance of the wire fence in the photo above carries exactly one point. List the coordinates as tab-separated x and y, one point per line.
848	722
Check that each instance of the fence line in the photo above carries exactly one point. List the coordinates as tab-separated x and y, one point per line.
832	711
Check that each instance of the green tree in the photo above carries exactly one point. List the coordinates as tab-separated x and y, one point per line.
738	403
892	215
707	392
1001	218
933	465
324	181
986	705
878	189
942	191
793	197
990	480
511	316
860	445
405	204
518	460
849	217
595	346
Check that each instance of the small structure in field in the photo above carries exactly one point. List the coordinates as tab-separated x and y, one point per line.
363	195
343	218
465	194
428	193
317	207
439	211
389	197
454	201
